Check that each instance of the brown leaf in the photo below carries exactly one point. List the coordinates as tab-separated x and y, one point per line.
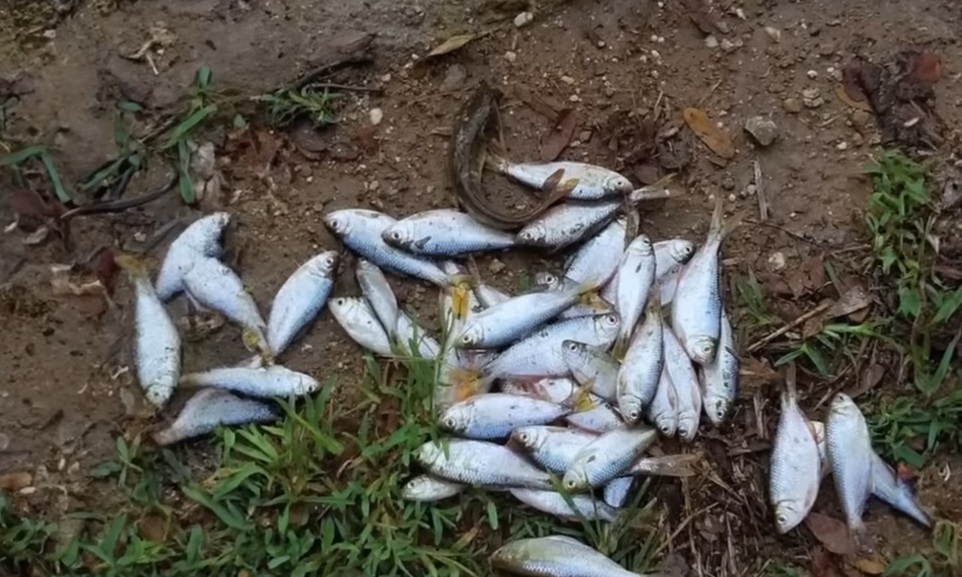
560	136
153	527
852	87
451	44
106	268
842	93
756	374
854	299
831	532
366	137
870	566
646	173
927	67
714	138
544	106
823	565
13	482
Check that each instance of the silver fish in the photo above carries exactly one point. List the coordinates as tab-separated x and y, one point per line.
553	389
636	275
609	292
663	410
586	181
567	223
361	229
425	488
719	378
215	286
378	294
513	319
489	296
554	448
424	346
156	340
601	419
589	303
585	507
591	367
671	255
445	232
209	409
667	285
555	556
300	299
495	415
617	491
272	381
594	263
358	320
687	389
200	239
887	486
850	454
664	466
607	457
696	306
795	462
480	463
637	380
818	431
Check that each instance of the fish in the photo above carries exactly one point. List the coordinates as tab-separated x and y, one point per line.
378	294
617	491
589	303
209	409
489	296
426	489
607	457
215	286
514	318
664	466
696	306
597	259
584	181
358	320
299	300
201	239
668	285
553	448
553	503
887	486
591	367
636	275
719	378
360	230
446	233
539	354
636	382
818	431
795	462
850	454
555	556
671	255
553	389
157	346
272	381
474	462
663	410
495	415
414	340
466	162
601	419
687	389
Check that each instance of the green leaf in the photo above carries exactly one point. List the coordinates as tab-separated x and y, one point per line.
492	510
128	106
948	307
183	129
19	156
239	121
230	517
203	77
194	543
106	469
54	176
909	302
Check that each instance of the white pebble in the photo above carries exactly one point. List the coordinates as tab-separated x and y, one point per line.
812	74
376	116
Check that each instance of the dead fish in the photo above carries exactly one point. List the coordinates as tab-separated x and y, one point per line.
427	489
553	503
378	294
555	556
887	486
473	462
514	318
636	275
592	265
719	378
200	239
607	457
850	453
687	389
358	320
591	367
445	232
273	381
617	491
583	181
636	382
663	410
209	409
590	303
414	340
495	415
299	300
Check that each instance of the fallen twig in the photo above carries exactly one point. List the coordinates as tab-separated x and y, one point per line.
797	322
760	192
120	205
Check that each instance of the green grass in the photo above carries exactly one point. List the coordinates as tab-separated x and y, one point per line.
943	560
285	106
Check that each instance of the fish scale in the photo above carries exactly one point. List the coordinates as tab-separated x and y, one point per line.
607	457
444	232
850	451
300	299
556	556
480	463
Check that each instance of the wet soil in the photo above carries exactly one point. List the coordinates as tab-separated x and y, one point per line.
66	389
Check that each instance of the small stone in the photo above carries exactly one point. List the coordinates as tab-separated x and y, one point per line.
386	77
50	34
610	91
711	42
728	46
792	105
454	78
584	136
813	74
574	98
860	119
751	190
762	129
496	266
826	49
774	33
728	183
568	80
842	145
523	19
510	56
374	185
812	98
776	261
4	442
376	116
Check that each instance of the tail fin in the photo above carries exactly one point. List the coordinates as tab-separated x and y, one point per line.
719	228
580	400
791	391
666	466
254	341
655	191
135	266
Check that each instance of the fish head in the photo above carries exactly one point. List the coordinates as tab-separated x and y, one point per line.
687	427
457	417
618	183
702	349
528	437
606	325
305	385
574	480
842	405
397	235
325	263
666	423
642	245
630	408
532	234
416	488
429	453
681	250
788	514
546	280
716	409
338	221
470	336
573	352
158	396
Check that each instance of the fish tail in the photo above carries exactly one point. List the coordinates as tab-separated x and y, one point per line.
720	229
654	191
253	339
580	399
135	266
461	286
188	380
791	390
620	347
669	465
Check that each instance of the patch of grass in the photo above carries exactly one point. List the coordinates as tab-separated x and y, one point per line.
37	152
944	560
285	106
23	541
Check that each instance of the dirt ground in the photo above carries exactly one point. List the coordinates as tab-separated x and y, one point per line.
66	390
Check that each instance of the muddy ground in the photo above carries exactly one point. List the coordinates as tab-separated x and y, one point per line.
66	390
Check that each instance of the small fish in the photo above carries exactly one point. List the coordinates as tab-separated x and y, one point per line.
555	556
593	264
426	489
589	303
607	457
215	286
209	409
636	275
200	239
414	340
445	232
361	229
850	454
156	340
609	292
601	419
554	448
489	296
667	285
670	255
818	431
567	223
480	463
300	299
514	318
617	491
495	415
272	381
687	389
585	507
553	389
358	320
663	410
585	181
664	466
795	462
637	380
591	367
378	294
696	306
887	486
719	379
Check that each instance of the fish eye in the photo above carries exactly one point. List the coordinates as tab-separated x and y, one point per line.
683	431
449	422
524	437
570	484
611	319
396	235
633	415
782	519
339	301
665	429
572	346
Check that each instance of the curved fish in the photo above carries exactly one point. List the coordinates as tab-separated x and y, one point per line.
272	381
300	299
209	409
583	181
200	239
719	378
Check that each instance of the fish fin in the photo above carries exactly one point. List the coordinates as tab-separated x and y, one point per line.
669	465
620	348
656	191
254	341
720	229
134	266
494	160
580	399
466	383
791	384
187	380
460	301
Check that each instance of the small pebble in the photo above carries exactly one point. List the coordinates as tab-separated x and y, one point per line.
711	42
812	98
776	261
376	116
812	74
774	33
496	266
792	105
523	19
568	80
842	145
510	56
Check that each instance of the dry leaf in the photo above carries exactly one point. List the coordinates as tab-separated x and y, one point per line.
646	173
544	106
854	299
715	138
823	565
756	374
697	11
451	44
831	532
870	566
842	94
560	136
153	527
13	482
927	67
